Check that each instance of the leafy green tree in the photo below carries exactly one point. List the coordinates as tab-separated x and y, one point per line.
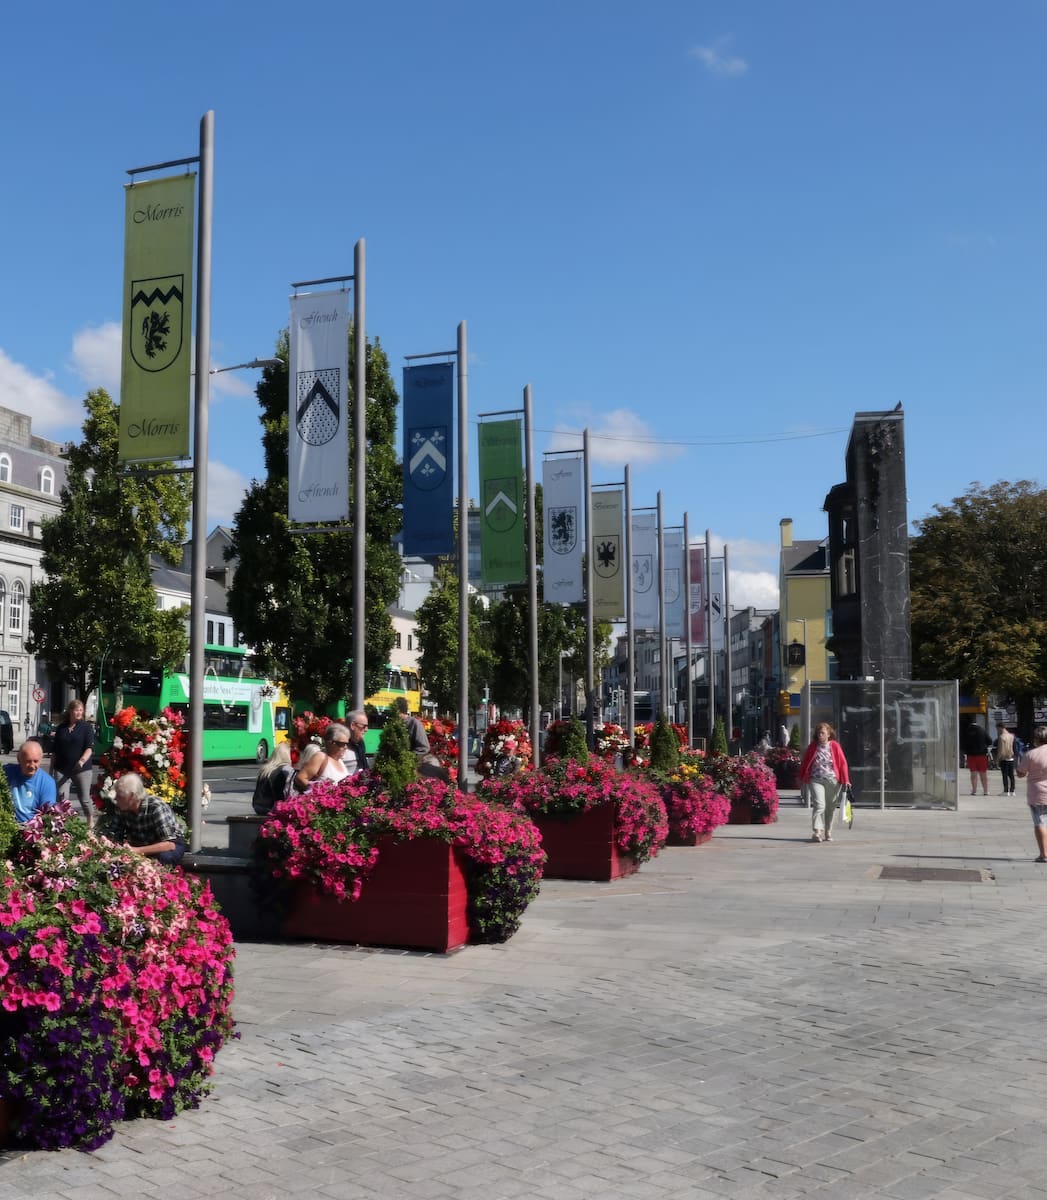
665	747
395	763
572	742
292	596
978	581
97	603
719	737
437	618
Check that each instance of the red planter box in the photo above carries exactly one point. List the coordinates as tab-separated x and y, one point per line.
690	839
741	813
415	898
583	847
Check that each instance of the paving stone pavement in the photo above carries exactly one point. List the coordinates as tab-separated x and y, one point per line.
759	1017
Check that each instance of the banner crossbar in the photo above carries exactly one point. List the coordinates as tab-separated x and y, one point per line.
330	279
293	529
434	354
174	162
143	471
550	453
500	413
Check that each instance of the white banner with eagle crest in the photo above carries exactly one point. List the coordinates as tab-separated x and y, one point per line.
608	548
562	502
318	429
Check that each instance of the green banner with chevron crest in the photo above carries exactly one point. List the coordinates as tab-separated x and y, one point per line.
156	364
503	556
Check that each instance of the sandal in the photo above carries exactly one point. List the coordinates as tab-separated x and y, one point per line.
1040	859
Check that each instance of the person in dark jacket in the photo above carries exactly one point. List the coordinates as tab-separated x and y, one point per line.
976	748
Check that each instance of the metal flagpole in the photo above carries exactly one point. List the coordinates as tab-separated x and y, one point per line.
663	674
532	576
359	469
463	559
198	560
709	615
630	633
589	601
687	625
727	647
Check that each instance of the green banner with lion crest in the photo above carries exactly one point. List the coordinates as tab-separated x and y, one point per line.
157	320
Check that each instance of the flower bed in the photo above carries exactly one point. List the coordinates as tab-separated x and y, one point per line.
694	806
153	748
115	987
443	742
566	787
611	740
506	747
329	838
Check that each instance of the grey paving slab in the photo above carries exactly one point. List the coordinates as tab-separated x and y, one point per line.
758	1017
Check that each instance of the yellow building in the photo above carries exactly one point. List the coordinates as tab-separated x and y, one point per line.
804	608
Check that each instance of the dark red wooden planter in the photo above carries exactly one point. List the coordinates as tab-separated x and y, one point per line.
741	813
7	1112
415	898
690	839
582	846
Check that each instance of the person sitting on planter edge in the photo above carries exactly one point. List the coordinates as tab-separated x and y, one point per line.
31	789
417	738
145	823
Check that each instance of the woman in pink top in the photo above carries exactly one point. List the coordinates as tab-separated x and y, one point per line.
1033	770
824	770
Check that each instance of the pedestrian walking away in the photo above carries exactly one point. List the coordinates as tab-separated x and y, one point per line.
1033	769
1006	747
824	772
975	746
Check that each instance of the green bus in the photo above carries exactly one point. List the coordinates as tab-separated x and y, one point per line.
399	681
245	715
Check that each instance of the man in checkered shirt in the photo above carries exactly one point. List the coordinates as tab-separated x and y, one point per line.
145	824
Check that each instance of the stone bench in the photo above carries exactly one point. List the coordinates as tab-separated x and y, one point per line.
243	829
230	878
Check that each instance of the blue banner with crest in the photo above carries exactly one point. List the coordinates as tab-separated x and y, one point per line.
428	459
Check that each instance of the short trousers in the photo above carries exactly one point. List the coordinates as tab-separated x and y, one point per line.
1039	815
978	762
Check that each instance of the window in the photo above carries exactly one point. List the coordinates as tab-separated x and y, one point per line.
210	633
14	691
3	601
5	468
17	609
396	641
47	480
17	516
221	633
410	642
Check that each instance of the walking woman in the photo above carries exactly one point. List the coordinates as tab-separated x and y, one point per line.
824	771
72	758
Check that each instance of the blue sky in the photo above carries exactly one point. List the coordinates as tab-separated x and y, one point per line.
710	232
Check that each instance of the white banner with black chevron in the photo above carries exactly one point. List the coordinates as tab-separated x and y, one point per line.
564	545
318	428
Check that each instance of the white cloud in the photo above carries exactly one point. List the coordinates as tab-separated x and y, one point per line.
717	60
753	568
225	493
53	413
96	357
617	437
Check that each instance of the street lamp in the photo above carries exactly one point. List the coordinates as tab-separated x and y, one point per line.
198	586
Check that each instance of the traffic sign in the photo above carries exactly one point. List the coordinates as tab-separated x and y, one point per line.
39	694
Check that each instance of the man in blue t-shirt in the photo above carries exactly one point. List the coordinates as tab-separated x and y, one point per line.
31	788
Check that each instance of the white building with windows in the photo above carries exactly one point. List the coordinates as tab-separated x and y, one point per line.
32	473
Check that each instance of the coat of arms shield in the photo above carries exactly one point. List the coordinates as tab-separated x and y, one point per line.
563	529
155	321
501	503
317	415
427	466
607	560
643	572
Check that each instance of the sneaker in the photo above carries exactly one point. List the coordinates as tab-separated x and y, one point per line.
828	837
816	836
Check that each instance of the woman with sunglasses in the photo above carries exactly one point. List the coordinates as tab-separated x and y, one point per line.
328	765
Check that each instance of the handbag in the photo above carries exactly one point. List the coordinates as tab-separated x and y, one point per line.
848	806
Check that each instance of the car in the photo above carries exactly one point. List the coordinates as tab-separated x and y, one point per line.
7	732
